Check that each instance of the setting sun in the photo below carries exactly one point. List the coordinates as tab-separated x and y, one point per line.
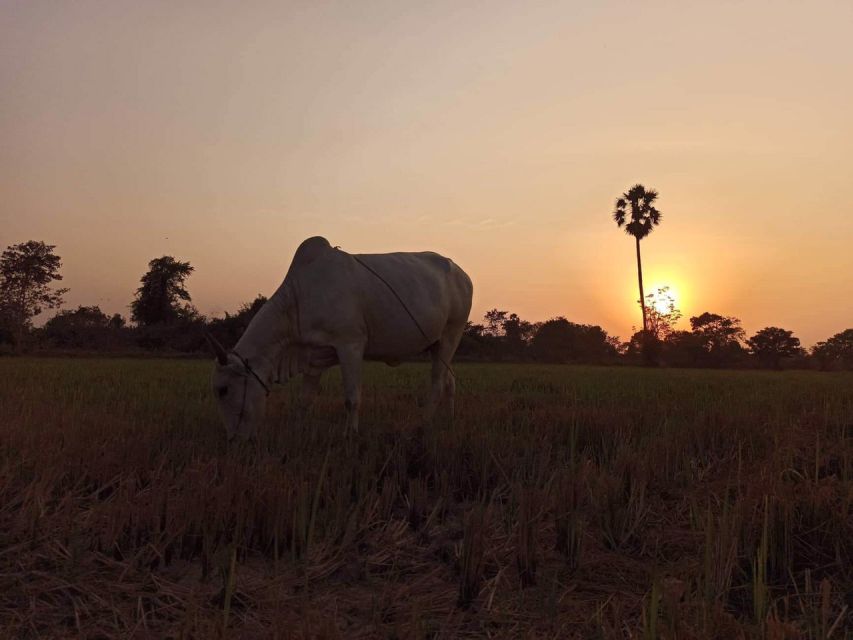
664	297
662	292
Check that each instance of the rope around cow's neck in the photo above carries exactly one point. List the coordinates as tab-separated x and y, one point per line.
251	371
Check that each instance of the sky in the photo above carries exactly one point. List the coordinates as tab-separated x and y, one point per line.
496	133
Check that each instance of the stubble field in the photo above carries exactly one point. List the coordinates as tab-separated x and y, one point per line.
561	502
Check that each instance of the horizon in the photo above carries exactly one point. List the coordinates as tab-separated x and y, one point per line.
497	135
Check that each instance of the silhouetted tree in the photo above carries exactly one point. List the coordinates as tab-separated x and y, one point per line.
27	271
248	310
502	336
228	330
517	334
635	211
647	345
474	330
661	314
82	316
470	346
682	349
84	327
719	337
617	345
158	299
7	324
634	346
771	344
559	340
495	320
836	352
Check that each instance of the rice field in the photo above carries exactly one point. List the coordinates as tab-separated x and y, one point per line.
562	502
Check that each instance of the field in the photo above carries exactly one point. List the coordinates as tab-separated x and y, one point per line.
562	502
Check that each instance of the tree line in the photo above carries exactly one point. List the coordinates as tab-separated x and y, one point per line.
163	319
162	316
713	341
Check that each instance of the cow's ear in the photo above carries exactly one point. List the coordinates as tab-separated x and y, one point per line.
218	349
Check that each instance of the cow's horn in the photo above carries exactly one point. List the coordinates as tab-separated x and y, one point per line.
218	349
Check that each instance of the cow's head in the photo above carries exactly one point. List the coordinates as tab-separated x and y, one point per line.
240	394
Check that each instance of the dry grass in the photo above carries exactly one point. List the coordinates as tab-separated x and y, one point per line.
563	502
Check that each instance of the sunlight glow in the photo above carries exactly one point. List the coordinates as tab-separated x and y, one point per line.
499	138
661	303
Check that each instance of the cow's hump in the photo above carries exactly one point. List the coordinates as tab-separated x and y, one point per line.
309	251
442	263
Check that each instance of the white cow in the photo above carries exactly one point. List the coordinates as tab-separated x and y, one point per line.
338	308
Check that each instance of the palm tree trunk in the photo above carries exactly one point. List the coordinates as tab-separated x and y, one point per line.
640	279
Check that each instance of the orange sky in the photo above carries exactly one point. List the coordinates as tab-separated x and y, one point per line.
497	133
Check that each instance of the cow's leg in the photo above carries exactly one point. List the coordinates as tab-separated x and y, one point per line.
450	339
351	357
443	381
309	390
450	392
437	377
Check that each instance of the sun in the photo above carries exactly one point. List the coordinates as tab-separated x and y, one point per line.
665	297
666	290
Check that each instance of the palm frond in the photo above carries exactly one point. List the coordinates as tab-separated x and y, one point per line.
634	228
619	212
635	193
634	210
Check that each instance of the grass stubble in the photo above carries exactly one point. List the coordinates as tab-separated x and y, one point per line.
561	502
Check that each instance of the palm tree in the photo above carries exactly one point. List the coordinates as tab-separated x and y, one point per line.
639	222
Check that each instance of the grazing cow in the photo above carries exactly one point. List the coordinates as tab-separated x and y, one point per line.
338	308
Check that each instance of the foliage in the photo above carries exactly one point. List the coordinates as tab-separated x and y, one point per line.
717	331
635	211
83	328
836	352
159	297
518	333
772	344
559	340
7	327
502	336
713	341
720	338
475	344
661	314
494	325
185	335
27	271
683	349
577	502
228	330
505	336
